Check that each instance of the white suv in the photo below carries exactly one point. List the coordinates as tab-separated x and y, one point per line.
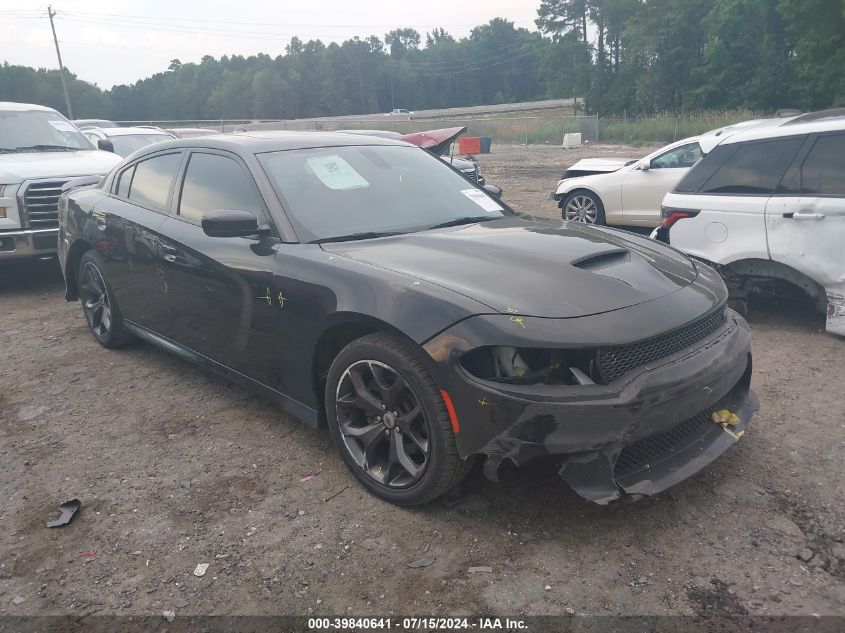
767	205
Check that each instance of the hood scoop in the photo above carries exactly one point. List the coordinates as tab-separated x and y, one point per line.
602	259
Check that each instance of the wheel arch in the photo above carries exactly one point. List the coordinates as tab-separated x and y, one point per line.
578	189
749	268
71	268
342	329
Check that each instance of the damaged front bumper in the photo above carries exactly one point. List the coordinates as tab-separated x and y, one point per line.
635	436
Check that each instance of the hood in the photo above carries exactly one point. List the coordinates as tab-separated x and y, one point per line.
532	267
601	164
461	164
19	167
436	141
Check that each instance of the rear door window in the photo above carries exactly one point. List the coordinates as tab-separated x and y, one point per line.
823	171
754	169
123	182
153	181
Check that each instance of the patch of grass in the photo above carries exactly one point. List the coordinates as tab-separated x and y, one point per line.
668	127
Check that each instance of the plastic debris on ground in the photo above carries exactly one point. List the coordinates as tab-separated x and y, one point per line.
200	570
68	510
423	562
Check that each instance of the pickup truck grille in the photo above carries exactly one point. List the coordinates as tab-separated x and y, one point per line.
41	203
472	173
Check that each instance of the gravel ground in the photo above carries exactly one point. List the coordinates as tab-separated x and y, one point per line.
175	468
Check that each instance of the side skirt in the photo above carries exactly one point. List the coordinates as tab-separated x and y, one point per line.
286	403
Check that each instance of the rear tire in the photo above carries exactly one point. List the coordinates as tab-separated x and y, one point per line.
582	206
98	303
387	418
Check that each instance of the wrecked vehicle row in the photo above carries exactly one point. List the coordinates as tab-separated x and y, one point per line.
365	286
766	207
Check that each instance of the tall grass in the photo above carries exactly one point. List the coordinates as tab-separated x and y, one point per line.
668	127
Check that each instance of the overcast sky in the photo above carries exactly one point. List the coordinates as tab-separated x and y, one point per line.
108	42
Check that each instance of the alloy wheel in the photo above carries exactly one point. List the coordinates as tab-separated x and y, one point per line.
382	423
581	209
95	300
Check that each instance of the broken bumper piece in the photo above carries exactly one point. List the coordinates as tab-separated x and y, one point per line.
655	463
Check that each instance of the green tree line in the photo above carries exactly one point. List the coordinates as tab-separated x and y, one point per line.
631	56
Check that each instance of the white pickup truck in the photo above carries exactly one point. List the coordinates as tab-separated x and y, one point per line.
40	151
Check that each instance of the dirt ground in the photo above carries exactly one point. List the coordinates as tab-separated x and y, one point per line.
175	468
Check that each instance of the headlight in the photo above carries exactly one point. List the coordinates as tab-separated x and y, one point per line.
532	366
3	210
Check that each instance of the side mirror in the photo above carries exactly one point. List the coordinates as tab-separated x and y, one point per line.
229	223
493	190
644	166
105	145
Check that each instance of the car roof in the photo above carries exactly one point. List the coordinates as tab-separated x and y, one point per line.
257	142
379	133
810	123
194	129
126	131
13	106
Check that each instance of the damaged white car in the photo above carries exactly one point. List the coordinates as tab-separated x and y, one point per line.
625	191
766	207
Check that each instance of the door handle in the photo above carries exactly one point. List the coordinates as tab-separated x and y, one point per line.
169	252
100	219
804	215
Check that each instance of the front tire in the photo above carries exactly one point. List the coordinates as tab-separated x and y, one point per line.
389	422
582	206
98	303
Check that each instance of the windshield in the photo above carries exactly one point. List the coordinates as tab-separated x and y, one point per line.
343	191
125	144
39	130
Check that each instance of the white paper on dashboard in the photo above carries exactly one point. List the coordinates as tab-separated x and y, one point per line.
482	200
336	173
63	126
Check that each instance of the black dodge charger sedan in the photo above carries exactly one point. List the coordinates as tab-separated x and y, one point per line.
365	285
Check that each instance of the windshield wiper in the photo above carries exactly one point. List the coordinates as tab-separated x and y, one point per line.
469	219
367	235
47	148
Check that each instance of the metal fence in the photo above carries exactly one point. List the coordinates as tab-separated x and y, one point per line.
524	130
667	127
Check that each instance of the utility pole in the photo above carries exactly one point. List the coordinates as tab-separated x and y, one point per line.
51	13
361	84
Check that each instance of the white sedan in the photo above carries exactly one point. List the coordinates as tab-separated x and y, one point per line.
624	191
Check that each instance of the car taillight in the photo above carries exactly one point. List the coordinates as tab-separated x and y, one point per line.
670	216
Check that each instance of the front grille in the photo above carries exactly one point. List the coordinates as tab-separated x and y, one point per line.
615	362
41	203
643	453
472	173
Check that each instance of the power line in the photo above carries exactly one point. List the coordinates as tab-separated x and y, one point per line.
227	21
472	64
